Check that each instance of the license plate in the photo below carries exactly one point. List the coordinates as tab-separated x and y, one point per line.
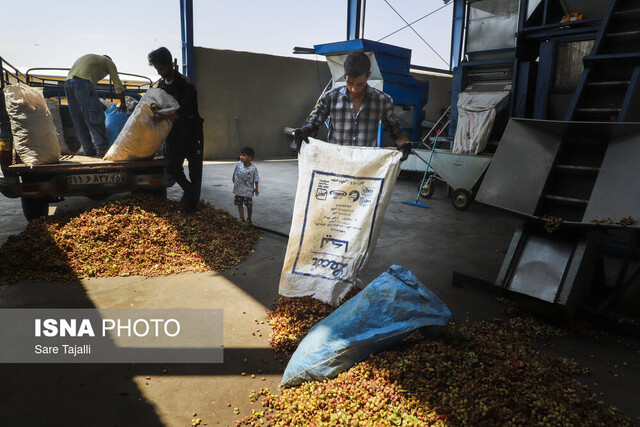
96	178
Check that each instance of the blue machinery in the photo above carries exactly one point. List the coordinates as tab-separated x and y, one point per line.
389	73
390	70
550	56
567	145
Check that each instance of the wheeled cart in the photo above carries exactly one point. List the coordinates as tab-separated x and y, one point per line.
461	172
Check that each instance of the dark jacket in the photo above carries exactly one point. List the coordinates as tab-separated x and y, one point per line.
184	91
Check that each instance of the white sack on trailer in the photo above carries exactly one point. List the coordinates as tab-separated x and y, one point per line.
142	136
34	134
342	195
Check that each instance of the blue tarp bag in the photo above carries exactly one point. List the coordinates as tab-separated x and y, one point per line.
382	314
114	121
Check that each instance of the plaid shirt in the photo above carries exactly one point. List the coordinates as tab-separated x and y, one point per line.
346	127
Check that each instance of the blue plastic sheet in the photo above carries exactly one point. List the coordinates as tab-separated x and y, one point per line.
114	121
382	314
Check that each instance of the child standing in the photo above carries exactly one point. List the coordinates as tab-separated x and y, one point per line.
245	182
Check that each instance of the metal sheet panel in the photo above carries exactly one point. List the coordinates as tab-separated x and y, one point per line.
415	163
520	167
574	285
492	25
540	268
459	170
569	65
616	193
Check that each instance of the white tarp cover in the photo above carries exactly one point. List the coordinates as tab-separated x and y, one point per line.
34	134
342	195
476	114
142	136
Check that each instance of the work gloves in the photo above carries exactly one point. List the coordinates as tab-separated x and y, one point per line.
406	150
298	136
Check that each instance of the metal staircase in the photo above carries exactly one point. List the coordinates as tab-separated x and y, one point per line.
609	89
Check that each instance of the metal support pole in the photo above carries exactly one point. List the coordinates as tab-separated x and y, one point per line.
186	25
354	13
363	9
457	32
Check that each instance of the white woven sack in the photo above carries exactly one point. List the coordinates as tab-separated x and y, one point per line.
342	195
142	136
54	108
34	134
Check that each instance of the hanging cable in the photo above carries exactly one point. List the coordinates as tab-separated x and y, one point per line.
417	20
412	29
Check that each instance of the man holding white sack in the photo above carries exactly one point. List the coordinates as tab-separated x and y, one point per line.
355	111
185	139
344	187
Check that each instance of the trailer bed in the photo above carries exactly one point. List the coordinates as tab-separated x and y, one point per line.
79	164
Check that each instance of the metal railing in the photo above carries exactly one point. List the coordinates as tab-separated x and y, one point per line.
10	74
133	84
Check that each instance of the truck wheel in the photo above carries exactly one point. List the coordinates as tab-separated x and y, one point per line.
461	199
35	207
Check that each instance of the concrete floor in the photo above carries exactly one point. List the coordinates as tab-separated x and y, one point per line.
433	243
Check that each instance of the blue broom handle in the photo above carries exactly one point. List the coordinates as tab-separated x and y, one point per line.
426	171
